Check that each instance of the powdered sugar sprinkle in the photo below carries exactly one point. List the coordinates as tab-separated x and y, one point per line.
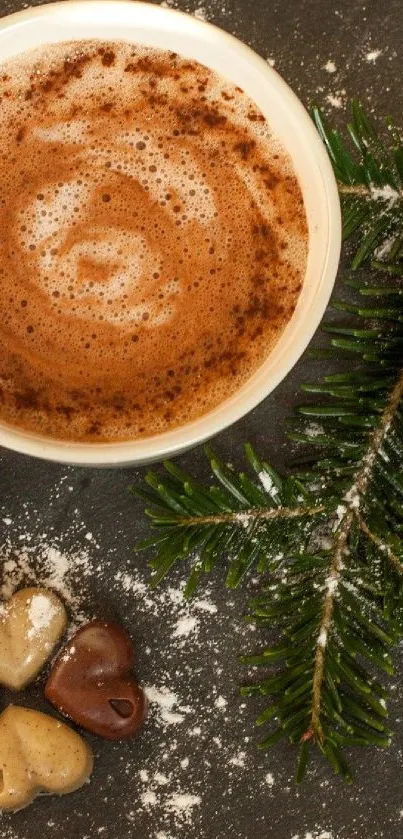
40	613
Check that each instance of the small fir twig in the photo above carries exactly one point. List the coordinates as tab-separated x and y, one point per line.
370	181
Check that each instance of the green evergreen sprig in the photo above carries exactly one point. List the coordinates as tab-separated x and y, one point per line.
249	521
327	538
370	182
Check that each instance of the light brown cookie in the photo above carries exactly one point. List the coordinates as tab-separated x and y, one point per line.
31	623
39	754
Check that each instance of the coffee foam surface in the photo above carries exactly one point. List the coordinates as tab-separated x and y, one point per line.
153	240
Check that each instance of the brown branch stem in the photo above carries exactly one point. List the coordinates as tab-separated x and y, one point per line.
350	511
326	621
361	189
242	516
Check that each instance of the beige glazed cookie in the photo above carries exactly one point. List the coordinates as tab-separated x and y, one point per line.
31	623
39	754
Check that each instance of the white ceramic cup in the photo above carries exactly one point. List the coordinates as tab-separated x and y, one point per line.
159	27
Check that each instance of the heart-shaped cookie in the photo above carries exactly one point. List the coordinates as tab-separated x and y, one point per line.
91	682
31	623
37	754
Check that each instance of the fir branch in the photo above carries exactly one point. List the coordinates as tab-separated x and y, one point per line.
329	536
365	557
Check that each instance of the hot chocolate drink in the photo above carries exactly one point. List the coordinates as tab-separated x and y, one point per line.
153	241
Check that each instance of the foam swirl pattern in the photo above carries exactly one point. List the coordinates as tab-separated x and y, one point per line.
153	241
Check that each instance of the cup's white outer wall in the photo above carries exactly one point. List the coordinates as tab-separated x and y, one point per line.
156	26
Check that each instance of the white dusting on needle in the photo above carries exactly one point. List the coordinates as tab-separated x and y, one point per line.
340	511
352	498
314	429
332	583
268	483
243	518
385	193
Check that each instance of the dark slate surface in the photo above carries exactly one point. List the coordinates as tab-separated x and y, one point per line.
243	793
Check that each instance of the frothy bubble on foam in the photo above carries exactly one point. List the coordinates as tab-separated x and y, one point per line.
75	131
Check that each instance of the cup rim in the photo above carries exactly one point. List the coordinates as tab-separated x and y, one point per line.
225	414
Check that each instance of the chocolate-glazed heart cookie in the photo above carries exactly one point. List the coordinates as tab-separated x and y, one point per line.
91	682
